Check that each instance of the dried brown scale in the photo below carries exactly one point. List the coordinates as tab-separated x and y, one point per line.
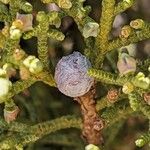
92	123
112	95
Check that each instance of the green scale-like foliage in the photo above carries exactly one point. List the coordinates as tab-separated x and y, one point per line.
46	27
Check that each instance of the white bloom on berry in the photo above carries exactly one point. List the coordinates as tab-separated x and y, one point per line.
71	75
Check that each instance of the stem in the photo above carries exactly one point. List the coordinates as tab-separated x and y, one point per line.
92	123
102	39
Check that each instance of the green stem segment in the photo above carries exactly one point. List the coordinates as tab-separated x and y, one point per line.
102	39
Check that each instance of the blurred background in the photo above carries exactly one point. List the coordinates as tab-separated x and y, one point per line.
41	103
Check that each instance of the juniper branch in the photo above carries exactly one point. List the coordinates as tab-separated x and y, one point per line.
136	37
101	43
123	5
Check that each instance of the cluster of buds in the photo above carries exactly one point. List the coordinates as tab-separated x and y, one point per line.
139	142
33	64
125	32
15	30
141	81
22	23
91	29
66	4
127	88
26	20
137	24
127	29
5	85
126	64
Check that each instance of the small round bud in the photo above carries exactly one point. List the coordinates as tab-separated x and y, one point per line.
137	24
147	98
40	16
36	66
112	95
91	29
149	68
5	86
140	75
28	60
26	20
66	4
131	49
92	147
125	32
18	24
27	7
11	115
127	88
126	64
141	81
139	142
15	34
71	75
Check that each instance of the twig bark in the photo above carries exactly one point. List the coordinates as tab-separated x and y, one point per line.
92	123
